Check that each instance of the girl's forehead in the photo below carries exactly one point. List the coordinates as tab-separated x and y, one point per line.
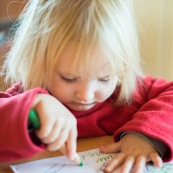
92	64
98	69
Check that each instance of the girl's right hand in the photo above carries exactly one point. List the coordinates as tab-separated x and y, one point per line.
58	125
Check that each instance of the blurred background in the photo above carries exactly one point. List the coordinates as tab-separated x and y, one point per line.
155	20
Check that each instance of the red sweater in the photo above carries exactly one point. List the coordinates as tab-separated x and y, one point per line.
150	113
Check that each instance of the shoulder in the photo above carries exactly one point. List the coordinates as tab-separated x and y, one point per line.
150	87
157	84
15	89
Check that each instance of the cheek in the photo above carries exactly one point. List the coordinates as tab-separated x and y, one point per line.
105	92
63	95
111	87
59	90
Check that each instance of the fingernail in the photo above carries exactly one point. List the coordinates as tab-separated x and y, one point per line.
159	164
108	168
72	157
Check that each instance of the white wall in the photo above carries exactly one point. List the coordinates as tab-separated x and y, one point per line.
155	19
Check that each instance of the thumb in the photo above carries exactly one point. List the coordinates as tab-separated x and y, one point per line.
112	148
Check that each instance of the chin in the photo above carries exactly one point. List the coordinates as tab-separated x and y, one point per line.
82	108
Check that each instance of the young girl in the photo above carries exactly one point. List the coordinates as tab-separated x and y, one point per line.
76	63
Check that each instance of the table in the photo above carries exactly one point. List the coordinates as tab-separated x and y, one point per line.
82	145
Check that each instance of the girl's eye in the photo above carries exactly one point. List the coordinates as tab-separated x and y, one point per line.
68	80
104	80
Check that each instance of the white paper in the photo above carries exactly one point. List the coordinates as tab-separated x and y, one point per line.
93	160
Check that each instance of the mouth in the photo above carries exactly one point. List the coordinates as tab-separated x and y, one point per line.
82	106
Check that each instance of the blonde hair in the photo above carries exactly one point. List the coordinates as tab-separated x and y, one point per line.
47	27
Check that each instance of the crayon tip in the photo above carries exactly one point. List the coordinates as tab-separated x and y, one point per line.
78	160
81	163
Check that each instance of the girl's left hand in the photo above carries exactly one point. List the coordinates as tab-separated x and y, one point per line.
133	151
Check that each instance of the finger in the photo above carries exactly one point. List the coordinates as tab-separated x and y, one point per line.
140	164
157	160
45	129
61	139
115	162
63	149
53	135
112	148
71	144
128	164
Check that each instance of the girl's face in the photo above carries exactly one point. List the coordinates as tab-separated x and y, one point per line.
82	92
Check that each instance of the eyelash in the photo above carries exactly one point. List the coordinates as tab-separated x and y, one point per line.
104	80
68	81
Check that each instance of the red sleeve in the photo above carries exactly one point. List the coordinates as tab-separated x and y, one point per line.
154	117
15	141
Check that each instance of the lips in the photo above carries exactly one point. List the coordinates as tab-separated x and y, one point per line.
84	104
81	106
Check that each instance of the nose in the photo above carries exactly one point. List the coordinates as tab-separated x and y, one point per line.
85	94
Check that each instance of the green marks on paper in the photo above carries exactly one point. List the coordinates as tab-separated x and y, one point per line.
166	168
103	159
